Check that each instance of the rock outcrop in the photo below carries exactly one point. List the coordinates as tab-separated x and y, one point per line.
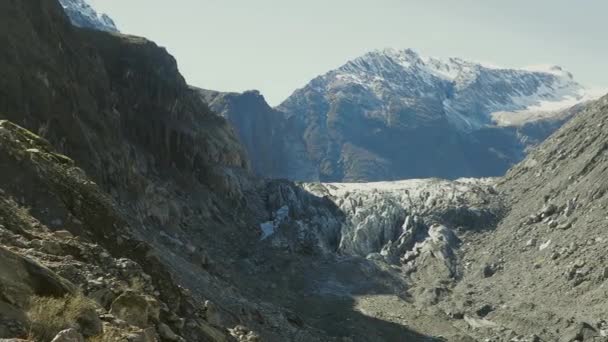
273	142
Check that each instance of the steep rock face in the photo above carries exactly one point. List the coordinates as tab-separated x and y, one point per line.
273	142
394	114
83	15
99	91
67	221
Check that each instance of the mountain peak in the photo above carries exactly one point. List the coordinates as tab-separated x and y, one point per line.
82	14
450	67
409	54
550	69
470	94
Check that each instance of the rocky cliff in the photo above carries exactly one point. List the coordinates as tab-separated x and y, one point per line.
273	142
147	214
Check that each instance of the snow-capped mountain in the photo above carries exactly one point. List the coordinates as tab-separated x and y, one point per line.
394	114
467	94
83	15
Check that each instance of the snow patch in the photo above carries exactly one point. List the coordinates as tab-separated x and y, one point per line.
269	227
544	105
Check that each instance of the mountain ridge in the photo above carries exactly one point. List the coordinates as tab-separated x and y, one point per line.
364	120
405	73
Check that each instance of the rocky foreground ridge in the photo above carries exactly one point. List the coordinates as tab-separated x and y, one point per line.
128	212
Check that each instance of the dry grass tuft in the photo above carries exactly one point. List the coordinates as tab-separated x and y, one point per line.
50	315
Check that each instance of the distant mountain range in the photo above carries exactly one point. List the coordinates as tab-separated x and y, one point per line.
83	15
394	114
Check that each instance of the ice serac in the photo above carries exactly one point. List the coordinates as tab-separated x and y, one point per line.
84	15
380	215
394	114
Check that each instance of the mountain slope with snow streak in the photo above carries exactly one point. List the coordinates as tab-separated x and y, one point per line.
82	14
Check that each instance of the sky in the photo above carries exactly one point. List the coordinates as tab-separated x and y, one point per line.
278	46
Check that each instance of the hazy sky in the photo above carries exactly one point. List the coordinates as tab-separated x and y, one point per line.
277	46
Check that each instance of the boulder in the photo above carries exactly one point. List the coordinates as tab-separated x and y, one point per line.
153	309
167	334
51	247
488	270
132	308
63	234
582	332
548	210
103	297
213	314
484	310
531	243
21	278
89	323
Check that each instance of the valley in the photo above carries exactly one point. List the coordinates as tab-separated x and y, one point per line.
396	198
